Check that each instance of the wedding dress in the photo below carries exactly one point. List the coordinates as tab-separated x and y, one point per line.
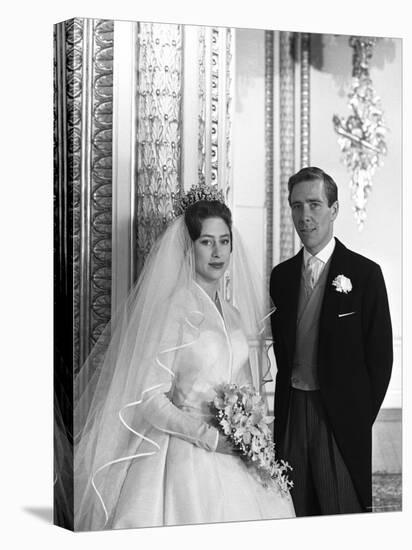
189	482
152	460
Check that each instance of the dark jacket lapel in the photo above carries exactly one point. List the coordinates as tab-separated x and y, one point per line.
293	289
332	297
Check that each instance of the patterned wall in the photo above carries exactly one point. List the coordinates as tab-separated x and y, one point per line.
159	52
101	101
304	100
216	61
287	139
160	107
287	135
83	93
74	65
269	161
83	114
83	157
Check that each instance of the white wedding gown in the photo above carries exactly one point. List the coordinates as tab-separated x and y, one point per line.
185	481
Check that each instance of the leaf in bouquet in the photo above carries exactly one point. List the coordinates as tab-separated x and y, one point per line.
286	466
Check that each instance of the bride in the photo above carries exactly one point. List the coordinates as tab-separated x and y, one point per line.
146	452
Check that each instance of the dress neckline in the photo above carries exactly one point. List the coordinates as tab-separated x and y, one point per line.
213	302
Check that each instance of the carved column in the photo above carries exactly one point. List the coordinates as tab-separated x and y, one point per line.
83	174
64	58
287	137
305	100
269	141
216	59
74	33
82	219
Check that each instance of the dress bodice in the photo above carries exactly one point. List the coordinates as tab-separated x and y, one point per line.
218	353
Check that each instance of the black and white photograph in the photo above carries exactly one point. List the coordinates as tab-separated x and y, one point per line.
228	273
205	280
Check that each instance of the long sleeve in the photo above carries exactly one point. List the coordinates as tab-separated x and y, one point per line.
161	413
158	410
378	342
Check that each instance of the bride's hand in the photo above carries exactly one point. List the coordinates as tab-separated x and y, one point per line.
224	446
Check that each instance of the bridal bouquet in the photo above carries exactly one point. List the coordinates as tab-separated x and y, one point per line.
240	414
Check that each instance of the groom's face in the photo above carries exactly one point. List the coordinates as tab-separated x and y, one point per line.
312	216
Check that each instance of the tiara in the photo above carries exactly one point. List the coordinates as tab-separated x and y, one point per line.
196	193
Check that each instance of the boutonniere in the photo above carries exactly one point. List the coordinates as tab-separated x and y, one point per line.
342	284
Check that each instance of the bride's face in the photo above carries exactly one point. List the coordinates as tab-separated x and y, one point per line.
212	250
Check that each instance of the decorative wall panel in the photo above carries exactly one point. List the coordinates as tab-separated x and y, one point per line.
158	133
83	104
83	89
287	139
214	99
73	91
226	182
362	134
67	63
269	142
101	173
216	60
96	177
305	100
203	116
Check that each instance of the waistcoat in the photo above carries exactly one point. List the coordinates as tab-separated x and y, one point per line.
304	371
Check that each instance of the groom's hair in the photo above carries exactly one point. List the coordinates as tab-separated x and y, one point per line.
311	173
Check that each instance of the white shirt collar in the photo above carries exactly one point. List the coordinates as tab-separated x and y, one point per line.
323	255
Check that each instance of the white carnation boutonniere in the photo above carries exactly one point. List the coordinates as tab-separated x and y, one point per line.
342	284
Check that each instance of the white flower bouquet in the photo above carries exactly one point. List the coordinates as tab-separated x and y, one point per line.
240	414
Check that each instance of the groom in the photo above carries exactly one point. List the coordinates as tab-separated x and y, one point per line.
333	344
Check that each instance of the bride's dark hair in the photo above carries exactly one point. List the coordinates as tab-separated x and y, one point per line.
196	213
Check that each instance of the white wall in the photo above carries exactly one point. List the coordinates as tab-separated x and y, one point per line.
381	236
248	143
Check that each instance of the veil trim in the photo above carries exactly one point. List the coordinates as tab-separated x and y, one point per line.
134	404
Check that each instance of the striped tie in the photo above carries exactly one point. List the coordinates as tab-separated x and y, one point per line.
310	273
